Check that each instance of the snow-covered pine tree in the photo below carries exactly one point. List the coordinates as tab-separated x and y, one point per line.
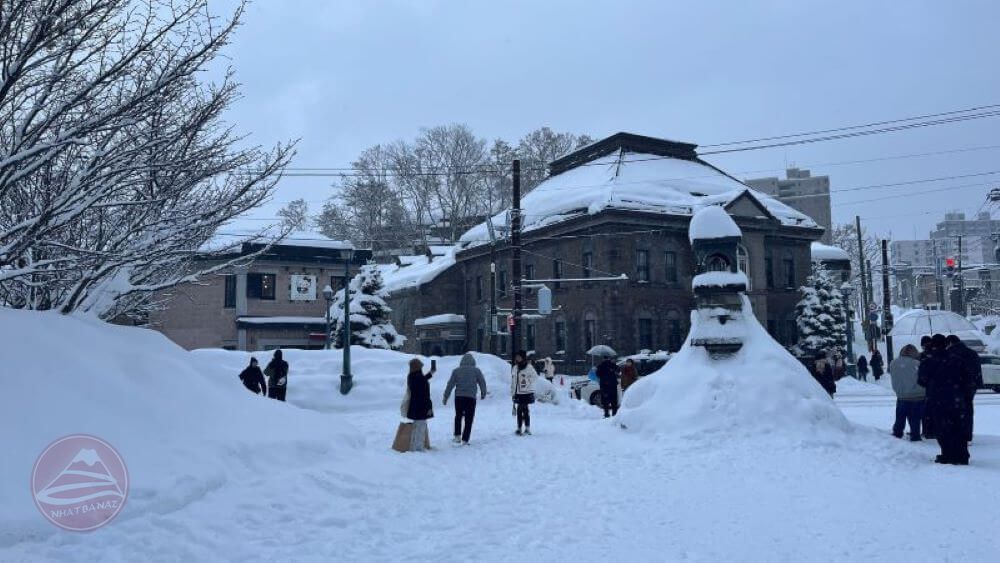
820	315
370	324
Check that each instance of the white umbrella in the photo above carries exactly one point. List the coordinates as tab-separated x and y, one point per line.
602	350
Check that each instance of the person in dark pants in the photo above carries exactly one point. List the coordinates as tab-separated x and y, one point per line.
253	378
464	380
877	364
944	377
974	372
277	377
607	377
862	368
910	397
823	373
522	391
928	422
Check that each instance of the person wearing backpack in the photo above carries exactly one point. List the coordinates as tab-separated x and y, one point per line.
277	377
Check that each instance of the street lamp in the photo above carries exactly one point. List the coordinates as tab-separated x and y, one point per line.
846	290
328	295
346	379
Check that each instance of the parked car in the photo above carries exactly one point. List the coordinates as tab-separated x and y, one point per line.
646	363
991	372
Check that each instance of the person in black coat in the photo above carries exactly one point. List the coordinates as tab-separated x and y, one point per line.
974	374
862	368
607	378
944	377
877	364
253	378
823	372
277	377
928	422
420	409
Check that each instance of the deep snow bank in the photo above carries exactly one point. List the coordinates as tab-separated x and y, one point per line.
379	376
182	429
760	389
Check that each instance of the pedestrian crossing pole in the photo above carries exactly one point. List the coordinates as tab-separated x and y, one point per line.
515	259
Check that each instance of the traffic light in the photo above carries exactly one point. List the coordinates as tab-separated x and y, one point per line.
949	266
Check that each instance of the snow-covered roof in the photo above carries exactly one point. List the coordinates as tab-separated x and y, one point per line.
719	279
823	252
634	181
712	222
397	277
409	259
311	239
281	320
439	319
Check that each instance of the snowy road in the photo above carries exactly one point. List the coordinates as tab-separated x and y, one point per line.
582	489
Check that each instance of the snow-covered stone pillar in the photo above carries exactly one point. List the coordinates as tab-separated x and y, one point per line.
719	285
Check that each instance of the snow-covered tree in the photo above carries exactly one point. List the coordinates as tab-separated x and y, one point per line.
116	164
370	324
820	315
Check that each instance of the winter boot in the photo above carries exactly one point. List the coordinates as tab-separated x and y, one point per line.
527	431
457	439
518	432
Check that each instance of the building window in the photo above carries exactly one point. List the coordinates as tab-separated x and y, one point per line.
789	273
557	272
560	336
479	288
260	286
589	333
336	283
793	332
743	263
502	283
670	266
642	265
674	336
716	263
529	336
769	272
230	301
480	336
772	329
529	274
646	334
588	263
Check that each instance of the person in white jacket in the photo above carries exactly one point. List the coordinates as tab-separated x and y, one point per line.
522	390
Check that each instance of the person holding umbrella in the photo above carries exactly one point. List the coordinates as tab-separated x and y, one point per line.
607	377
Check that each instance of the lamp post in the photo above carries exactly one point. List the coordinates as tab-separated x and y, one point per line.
328	295
346	379
846	290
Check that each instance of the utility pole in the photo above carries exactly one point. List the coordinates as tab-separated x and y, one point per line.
515	259
864	286
492	326
959	281
938	286
886	303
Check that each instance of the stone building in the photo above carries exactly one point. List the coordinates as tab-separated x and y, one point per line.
618	206
276	301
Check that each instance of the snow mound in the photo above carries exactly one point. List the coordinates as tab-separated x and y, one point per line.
761	389
713	222
182	429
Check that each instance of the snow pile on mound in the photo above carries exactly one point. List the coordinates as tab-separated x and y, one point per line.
712	222
182	430
760	389
379	376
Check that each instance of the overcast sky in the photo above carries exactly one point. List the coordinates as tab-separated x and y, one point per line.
345	75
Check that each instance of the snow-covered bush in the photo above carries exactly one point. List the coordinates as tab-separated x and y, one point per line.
370	324
820	315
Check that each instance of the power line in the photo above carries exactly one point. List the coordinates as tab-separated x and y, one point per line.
854	127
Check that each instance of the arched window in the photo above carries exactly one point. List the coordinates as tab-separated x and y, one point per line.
716	263
743	263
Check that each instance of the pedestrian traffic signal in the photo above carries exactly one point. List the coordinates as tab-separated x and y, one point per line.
949	266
